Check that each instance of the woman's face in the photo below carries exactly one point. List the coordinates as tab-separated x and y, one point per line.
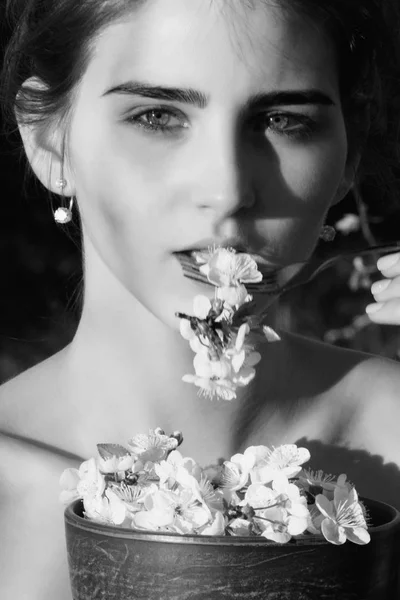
196	123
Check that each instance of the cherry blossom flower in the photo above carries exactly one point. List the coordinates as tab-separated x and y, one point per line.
216	527
234	368
344	517
279	513
114	458
223	361
316	518
234	296
133	495
269	513
108	509
173	470
226	268
87	481
152	447
316	482
213	498
260	492
286	459
295	504
205	366
211	388
69	481
236	472
180	511
240	354
308	478
240	527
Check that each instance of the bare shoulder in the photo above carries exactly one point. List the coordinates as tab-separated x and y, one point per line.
380	376
368	384
33	561
355	421
376	385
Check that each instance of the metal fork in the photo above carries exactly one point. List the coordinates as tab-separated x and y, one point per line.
277	280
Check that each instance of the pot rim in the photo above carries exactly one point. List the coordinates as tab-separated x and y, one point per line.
74	520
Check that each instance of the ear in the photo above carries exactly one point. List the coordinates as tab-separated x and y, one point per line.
44	147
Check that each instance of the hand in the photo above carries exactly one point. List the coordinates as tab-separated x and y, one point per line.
386	292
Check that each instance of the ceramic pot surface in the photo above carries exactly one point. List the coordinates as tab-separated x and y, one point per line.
110	563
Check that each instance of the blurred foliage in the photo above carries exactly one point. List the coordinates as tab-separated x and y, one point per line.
332	307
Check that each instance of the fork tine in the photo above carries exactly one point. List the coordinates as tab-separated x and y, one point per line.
264	287
278	281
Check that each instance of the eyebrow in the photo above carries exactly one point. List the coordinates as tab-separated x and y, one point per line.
201	100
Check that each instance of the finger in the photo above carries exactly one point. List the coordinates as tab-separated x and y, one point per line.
386	289
389	265
385	313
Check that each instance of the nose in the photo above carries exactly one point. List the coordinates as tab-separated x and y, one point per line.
226	183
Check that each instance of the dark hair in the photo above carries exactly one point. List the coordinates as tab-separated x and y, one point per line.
52	39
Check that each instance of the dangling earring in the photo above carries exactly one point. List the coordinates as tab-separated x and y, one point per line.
63	215
327	233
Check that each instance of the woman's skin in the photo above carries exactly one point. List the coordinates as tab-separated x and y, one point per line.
386	292
243	163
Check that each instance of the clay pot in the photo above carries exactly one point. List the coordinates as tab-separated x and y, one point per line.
110	563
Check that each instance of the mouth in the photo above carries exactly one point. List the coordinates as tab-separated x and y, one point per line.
191	259
198	255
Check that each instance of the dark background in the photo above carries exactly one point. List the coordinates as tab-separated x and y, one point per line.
40	273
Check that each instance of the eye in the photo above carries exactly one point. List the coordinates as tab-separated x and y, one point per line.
159	120
286	124
279	122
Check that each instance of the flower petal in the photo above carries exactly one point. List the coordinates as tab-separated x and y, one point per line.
189	378
199	347
244	376
202	366
252	359
325	506
238	360
332	532
233	295
243	331
240	527
281	537
186	330
68	496
217	527
358	535
69	479
271	334
297	525
246	269
201	306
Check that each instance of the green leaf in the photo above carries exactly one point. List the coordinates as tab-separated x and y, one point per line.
107	451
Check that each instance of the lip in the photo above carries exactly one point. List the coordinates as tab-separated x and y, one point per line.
261	260
200	246
208	244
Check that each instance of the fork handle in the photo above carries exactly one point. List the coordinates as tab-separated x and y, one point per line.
314	267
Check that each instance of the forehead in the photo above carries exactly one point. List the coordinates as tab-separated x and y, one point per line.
212	44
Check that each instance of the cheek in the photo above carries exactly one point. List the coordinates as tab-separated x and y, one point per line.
299	198
314	175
